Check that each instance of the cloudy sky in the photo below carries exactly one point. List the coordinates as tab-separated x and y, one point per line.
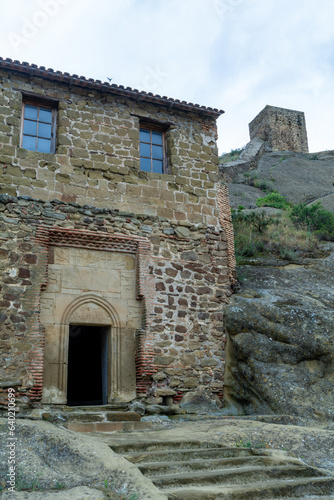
236	55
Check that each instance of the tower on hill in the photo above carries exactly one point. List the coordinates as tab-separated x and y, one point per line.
283	129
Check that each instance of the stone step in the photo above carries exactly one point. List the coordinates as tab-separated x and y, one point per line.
102	416
107	426
184	454
153	445
267	490
232	476
309	497
193	470
90	408
169	467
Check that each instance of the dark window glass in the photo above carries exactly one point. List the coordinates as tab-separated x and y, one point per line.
145	164
30	112
151	151
30	127
145	135
145	149
157	152
157	166
44	130
29	143
156	137
45	115
38	128
43	145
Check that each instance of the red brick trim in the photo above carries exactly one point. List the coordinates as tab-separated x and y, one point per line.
225	220
46	237
145	366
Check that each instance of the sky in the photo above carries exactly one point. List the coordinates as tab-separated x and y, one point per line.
235	55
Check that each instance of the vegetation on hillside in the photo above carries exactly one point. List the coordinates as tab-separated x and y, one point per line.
294	232
231	156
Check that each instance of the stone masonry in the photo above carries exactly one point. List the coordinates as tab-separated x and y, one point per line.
283	129
87	238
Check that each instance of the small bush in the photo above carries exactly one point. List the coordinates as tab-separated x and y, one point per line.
267	187
314	218
258	221
280	237
274	199
231	156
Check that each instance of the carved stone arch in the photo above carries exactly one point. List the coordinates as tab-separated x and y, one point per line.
91	298
93	310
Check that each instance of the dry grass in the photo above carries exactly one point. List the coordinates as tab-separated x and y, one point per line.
281	238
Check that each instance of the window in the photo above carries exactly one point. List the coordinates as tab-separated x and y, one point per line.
152	149
38	126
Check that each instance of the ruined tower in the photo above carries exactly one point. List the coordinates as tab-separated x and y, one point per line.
283	129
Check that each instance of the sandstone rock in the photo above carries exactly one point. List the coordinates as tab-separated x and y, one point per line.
244	195
165	392
200	402
79	493
280	349
50	457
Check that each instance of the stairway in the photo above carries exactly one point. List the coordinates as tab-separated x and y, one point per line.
106	418
191	470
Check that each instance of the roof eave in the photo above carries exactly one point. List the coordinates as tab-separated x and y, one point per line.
81	81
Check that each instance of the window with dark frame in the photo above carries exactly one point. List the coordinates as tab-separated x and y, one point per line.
152	149
38	127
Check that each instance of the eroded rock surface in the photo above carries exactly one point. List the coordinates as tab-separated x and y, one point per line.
60	464
280	352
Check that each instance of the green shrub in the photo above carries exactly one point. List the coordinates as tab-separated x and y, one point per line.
314	218
266	186
231	156
258	221
274	199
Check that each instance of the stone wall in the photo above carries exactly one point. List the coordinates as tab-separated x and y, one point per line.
91	195
283	129
97	155
184	307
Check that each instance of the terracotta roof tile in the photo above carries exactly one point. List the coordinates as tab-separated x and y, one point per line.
82	81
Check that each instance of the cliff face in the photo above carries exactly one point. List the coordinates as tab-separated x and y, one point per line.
280	353
300	177
280	347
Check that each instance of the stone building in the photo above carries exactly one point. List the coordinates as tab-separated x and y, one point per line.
116	242
283	129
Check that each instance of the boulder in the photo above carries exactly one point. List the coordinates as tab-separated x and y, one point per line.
200	402
280	348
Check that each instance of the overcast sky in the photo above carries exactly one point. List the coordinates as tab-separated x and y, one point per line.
236	55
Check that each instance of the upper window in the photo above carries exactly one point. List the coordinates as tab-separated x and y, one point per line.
38	127
152	150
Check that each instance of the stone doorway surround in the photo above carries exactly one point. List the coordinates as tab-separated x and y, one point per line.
124	305
92	310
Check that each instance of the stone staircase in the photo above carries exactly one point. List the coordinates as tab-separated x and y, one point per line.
106	418
191	470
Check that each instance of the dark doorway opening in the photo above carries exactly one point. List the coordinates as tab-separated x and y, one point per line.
87	365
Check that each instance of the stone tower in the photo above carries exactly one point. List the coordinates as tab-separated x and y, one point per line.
283	129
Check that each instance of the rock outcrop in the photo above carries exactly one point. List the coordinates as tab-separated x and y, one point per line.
300	177
280	351
280	344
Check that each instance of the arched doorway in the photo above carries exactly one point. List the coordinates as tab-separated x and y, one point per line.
87	365
90	314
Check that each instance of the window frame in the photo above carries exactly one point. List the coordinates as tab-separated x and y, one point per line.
40	103
155	128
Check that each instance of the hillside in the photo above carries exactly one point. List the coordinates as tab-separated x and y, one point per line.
280	350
